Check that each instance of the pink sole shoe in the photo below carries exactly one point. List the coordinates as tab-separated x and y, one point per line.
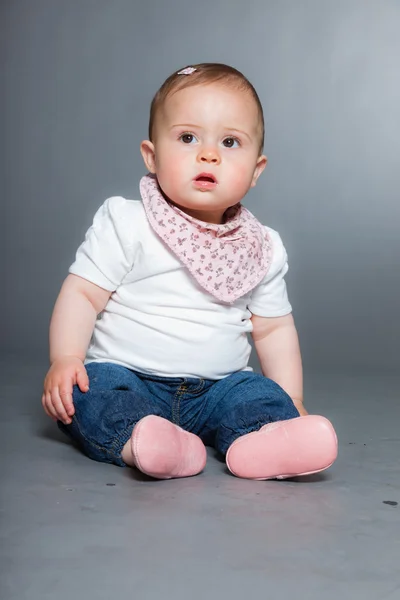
284	449
163	450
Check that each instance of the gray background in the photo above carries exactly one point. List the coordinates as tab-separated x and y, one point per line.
78	79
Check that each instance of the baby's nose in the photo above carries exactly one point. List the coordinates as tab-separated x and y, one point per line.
209	155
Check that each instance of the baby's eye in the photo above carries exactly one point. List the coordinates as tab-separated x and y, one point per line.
230	142
187	138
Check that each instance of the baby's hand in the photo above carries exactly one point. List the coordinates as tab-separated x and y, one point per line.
63	374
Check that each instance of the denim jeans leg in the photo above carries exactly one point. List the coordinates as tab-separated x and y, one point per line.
242	403
106	414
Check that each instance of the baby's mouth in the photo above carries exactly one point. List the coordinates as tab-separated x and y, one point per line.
205	180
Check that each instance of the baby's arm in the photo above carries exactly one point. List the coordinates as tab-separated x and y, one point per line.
278	350
71	328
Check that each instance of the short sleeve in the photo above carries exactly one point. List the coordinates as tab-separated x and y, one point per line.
108	251
269	298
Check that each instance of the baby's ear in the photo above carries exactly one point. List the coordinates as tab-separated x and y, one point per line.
149	157
262	162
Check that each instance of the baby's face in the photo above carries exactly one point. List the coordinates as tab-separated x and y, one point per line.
206	149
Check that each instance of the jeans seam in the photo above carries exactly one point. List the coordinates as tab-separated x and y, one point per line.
176	404
96	446
93	444
199	387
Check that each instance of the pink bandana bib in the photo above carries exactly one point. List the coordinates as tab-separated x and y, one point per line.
227	260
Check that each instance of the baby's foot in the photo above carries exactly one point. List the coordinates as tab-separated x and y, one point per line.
163	450
284	449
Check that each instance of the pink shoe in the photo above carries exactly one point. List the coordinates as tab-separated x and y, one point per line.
163	450
299	446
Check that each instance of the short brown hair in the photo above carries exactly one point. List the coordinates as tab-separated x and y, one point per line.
204	73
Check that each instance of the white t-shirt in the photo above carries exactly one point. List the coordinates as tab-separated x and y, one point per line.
158	319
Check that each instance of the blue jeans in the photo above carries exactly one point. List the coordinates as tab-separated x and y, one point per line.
217	411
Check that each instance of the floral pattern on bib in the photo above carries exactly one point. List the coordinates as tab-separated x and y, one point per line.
226	260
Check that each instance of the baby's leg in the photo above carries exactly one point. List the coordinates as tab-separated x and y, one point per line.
257	427
106	415
120	421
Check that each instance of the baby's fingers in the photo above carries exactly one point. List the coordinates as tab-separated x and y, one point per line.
82	380
58	406
66	399
48	407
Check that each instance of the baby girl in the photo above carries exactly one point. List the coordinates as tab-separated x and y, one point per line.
149	344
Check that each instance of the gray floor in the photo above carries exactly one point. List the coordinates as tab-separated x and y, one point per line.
73	528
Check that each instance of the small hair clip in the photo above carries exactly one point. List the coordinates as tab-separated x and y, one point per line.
187	71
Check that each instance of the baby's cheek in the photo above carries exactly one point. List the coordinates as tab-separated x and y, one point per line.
241	176
169	171
174	178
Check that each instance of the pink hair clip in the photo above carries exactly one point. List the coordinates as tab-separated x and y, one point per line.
187	71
